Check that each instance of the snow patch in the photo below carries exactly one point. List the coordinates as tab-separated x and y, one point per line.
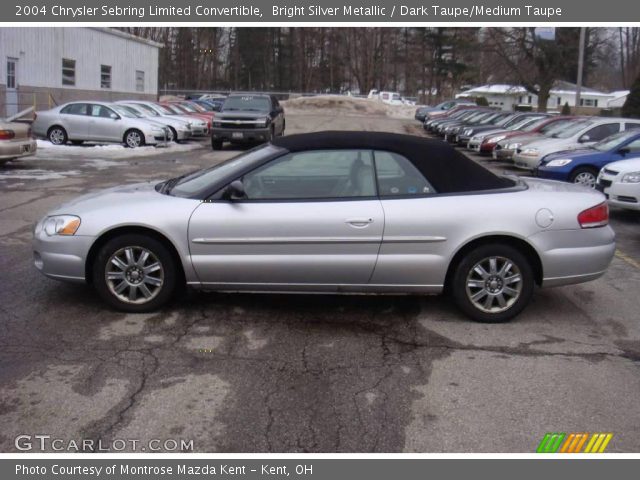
47	149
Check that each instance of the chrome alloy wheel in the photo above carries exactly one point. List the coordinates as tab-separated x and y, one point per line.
133	139
134	275
587	179
56	136
494	284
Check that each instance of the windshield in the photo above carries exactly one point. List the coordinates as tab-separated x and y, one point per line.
572	129
612	142
530	127
197	181
187	107
493	119
145	109
247	103
126	111
522	124
166	110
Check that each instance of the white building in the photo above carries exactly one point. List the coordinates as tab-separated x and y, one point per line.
507	97
43	67
619	97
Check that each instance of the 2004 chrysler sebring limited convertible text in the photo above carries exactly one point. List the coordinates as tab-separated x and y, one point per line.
333	212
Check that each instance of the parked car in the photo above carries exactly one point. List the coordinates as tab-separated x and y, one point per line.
517	123
620	182
180	129
248	118
78	122
333	212
432	123
421	112
502	145
188	112
439	126
582	166
500	121
199	127
16	141
586	131
213	105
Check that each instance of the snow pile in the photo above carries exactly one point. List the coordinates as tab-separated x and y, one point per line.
344	105
47	149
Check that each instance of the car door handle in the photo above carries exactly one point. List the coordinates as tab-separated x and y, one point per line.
359	222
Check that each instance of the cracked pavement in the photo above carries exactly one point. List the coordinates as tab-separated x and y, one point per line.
305	373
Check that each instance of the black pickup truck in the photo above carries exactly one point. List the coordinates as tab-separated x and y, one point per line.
247	118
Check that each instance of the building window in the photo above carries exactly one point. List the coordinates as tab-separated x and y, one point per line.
68	72
11	73
105	76
588	102
529	99
139	81
558	101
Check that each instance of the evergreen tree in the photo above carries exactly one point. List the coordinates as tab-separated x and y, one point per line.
631	107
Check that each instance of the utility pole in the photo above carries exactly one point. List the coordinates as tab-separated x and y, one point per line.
580	66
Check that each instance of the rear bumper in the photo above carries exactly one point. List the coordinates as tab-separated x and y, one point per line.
574	256
241	135
17	148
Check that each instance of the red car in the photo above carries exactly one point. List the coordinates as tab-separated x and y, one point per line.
533	129
180	109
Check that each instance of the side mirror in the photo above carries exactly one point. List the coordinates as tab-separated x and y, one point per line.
584	138
114	116
234	191
624	150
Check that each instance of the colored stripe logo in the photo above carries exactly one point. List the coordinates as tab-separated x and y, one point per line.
574	443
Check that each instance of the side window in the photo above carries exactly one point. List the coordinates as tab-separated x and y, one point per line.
633	146
602	131
397	176
316	174
101	111
75	109
631	126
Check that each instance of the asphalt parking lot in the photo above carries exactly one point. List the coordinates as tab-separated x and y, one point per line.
303	373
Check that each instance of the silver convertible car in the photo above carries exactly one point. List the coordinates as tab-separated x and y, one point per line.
333	212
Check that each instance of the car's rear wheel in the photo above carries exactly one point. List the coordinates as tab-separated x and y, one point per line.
135	273
57	135
134	138
584	176
174	135
493	283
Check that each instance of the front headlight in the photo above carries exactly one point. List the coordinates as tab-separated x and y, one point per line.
530	152
496	139
61	225
514	146
560	162
468	132
632	177
264	121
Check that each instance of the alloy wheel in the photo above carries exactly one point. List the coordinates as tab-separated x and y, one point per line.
134	275
494	284
134	139
57	136
587	179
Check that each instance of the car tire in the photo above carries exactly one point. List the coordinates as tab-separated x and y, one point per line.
77	142
492	283
284	125
57	135
216	144
133	138
121	278
174	135
584	176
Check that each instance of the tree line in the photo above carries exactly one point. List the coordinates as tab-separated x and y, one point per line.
429	63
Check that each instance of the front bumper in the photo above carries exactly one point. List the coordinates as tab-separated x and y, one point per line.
623	195
17	148
574	256
241	135
202	131
502	154
552	174
525	162
61	257
183	134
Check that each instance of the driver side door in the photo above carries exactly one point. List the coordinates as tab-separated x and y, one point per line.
308	221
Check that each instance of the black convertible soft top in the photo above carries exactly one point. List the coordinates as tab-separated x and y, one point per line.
448	170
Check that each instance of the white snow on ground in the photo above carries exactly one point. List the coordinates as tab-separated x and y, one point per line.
344	105
36	174
108	150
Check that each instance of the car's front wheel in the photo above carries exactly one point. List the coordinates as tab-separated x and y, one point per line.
585	176
135	273
134	138
493	283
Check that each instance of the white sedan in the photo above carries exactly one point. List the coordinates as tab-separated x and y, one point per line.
620	182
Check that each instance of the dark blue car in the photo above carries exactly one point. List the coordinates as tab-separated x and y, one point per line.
582	166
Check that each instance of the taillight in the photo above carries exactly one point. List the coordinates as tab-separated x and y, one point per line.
597	216
7	134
